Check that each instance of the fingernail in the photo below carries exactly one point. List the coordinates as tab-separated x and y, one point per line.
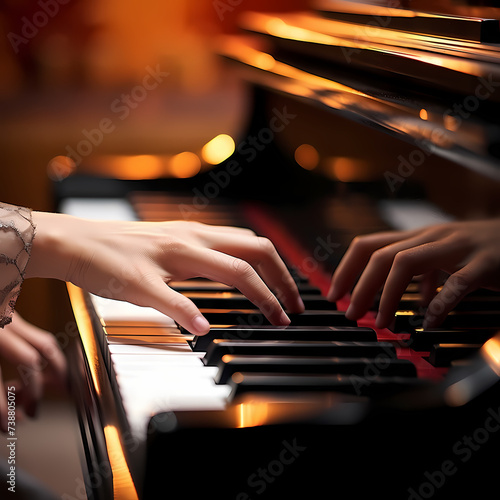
300	304
378	321
201	325
350	312
332	294
284	319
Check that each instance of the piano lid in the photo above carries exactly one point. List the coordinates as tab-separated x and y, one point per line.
483	9
446	20
438	93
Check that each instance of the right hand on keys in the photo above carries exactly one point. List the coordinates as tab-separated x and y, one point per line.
469	252
135	261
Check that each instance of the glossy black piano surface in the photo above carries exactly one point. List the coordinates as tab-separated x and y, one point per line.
325	408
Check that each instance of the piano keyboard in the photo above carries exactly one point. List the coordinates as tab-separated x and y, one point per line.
160	369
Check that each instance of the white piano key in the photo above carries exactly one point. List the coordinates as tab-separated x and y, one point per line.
181	373
149	349
411	214
116	310
171	397
153	360
160	337
99	208
136	370
138	415
180	376
192	360
145	396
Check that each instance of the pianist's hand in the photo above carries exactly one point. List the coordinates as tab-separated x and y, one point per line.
37	361
135	261
468	252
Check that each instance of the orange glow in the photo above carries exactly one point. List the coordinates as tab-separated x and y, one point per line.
253	413
265	61
185	165
235	49
491	351
86	334
279	27
60	167
458	394
146	166
307	156
310	29
123	485
218	149
129	166
348	169
465	390
249	411
423	114
451	123
275	24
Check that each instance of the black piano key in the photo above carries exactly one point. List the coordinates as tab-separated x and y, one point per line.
200	285
219	348
423	340
308	289
200	343
443	354
413	301
414	288
317	303
408	321
243	382
484	292
252	317
386	366
230	300
321	318
297	276
220	300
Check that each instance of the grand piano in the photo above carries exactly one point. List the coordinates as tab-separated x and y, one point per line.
366	116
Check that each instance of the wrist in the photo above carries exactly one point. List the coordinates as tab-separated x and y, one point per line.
50	255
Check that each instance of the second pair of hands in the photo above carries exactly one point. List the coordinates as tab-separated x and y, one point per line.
467	253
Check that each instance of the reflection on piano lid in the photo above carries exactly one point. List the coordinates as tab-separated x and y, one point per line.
473	29
438	93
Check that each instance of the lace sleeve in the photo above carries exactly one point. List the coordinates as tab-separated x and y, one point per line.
16	237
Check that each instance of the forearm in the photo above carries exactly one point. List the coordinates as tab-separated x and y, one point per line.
17	231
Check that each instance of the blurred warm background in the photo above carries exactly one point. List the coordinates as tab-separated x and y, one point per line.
66	65
71	67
